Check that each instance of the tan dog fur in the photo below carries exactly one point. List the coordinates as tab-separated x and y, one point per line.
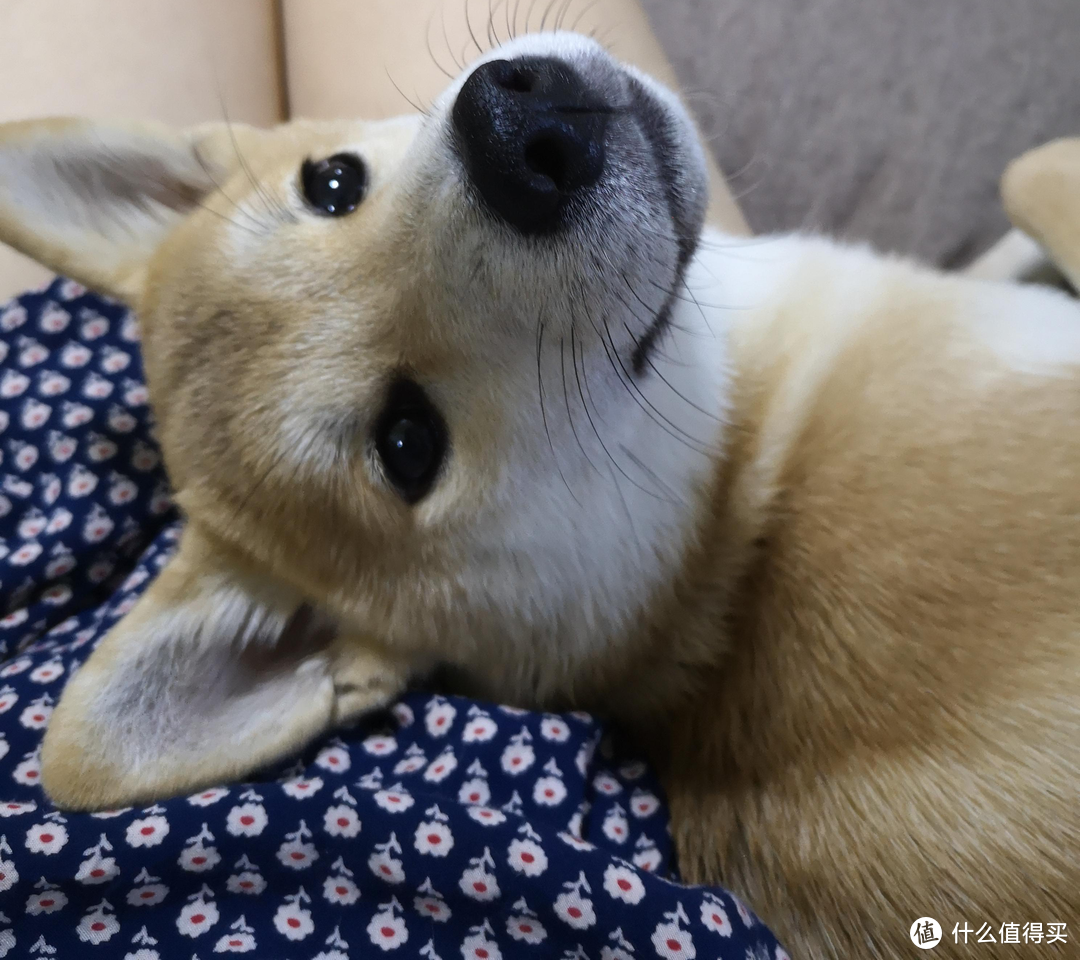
851	644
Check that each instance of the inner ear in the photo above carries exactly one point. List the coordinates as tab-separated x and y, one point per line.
135	178
216	672
222	696
94	201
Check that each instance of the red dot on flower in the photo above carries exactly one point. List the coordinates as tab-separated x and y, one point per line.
434	838
525	928
342	822
198	860
527	857
674	945
47	838
293	922
480	887
549	792
235	943
440	768
385	869
38	717
207	796
31	774
146	894
97	925
515	761
197	918
440	721
624	884
297	855
481	953
247	821
246	884
433	908
341	891
97	872
394	799
387	931
717	919
146	831
302	786
47	903
474	797
332	760
575	912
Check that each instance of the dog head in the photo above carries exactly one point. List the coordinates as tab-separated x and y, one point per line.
416	375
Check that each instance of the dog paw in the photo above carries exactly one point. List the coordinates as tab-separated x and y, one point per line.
365	678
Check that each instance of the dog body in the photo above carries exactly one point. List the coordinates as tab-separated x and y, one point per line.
802	518
891	732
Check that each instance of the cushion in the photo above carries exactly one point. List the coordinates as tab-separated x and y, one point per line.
872	119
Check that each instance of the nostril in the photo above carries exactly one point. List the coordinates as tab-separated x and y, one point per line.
531	135
518	80
548	155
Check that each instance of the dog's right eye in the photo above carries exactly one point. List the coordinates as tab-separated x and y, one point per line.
334	185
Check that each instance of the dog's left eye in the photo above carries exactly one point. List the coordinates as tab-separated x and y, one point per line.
411	441
334	185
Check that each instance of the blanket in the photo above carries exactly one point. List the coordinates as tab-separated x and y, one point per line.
444	828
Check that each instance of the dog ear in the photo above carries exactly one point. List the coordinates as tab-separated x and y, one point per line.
93	201
213	674
1041	193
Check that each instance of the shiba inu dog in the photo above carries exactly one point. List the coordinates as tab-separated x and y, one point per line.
477	388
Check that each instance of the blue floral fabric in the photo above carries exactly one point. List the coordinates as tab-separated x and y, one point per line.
445	829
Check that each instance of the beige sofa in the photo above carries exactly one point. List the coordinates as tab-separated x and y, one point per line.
887	120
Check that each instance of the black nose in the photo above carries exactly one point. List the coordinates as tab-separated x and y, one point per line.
531	135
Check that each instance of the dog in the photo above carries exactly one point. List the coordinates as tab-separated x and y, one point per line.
479	389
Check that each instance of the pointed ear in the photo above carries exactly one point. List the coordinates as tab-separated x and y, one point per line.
213	674
93	200
1041	193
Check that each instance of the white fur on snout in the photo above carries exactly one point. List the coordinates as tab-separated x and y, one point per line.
598	496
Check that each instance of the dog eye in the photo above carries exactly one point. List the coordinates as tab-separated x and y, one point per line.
334	185
410	439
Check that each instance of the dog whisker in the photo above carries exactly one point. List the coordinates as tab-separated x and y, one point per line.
585	407
582	14
543	410
274	207
459	64
419	108
566	401
472	34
